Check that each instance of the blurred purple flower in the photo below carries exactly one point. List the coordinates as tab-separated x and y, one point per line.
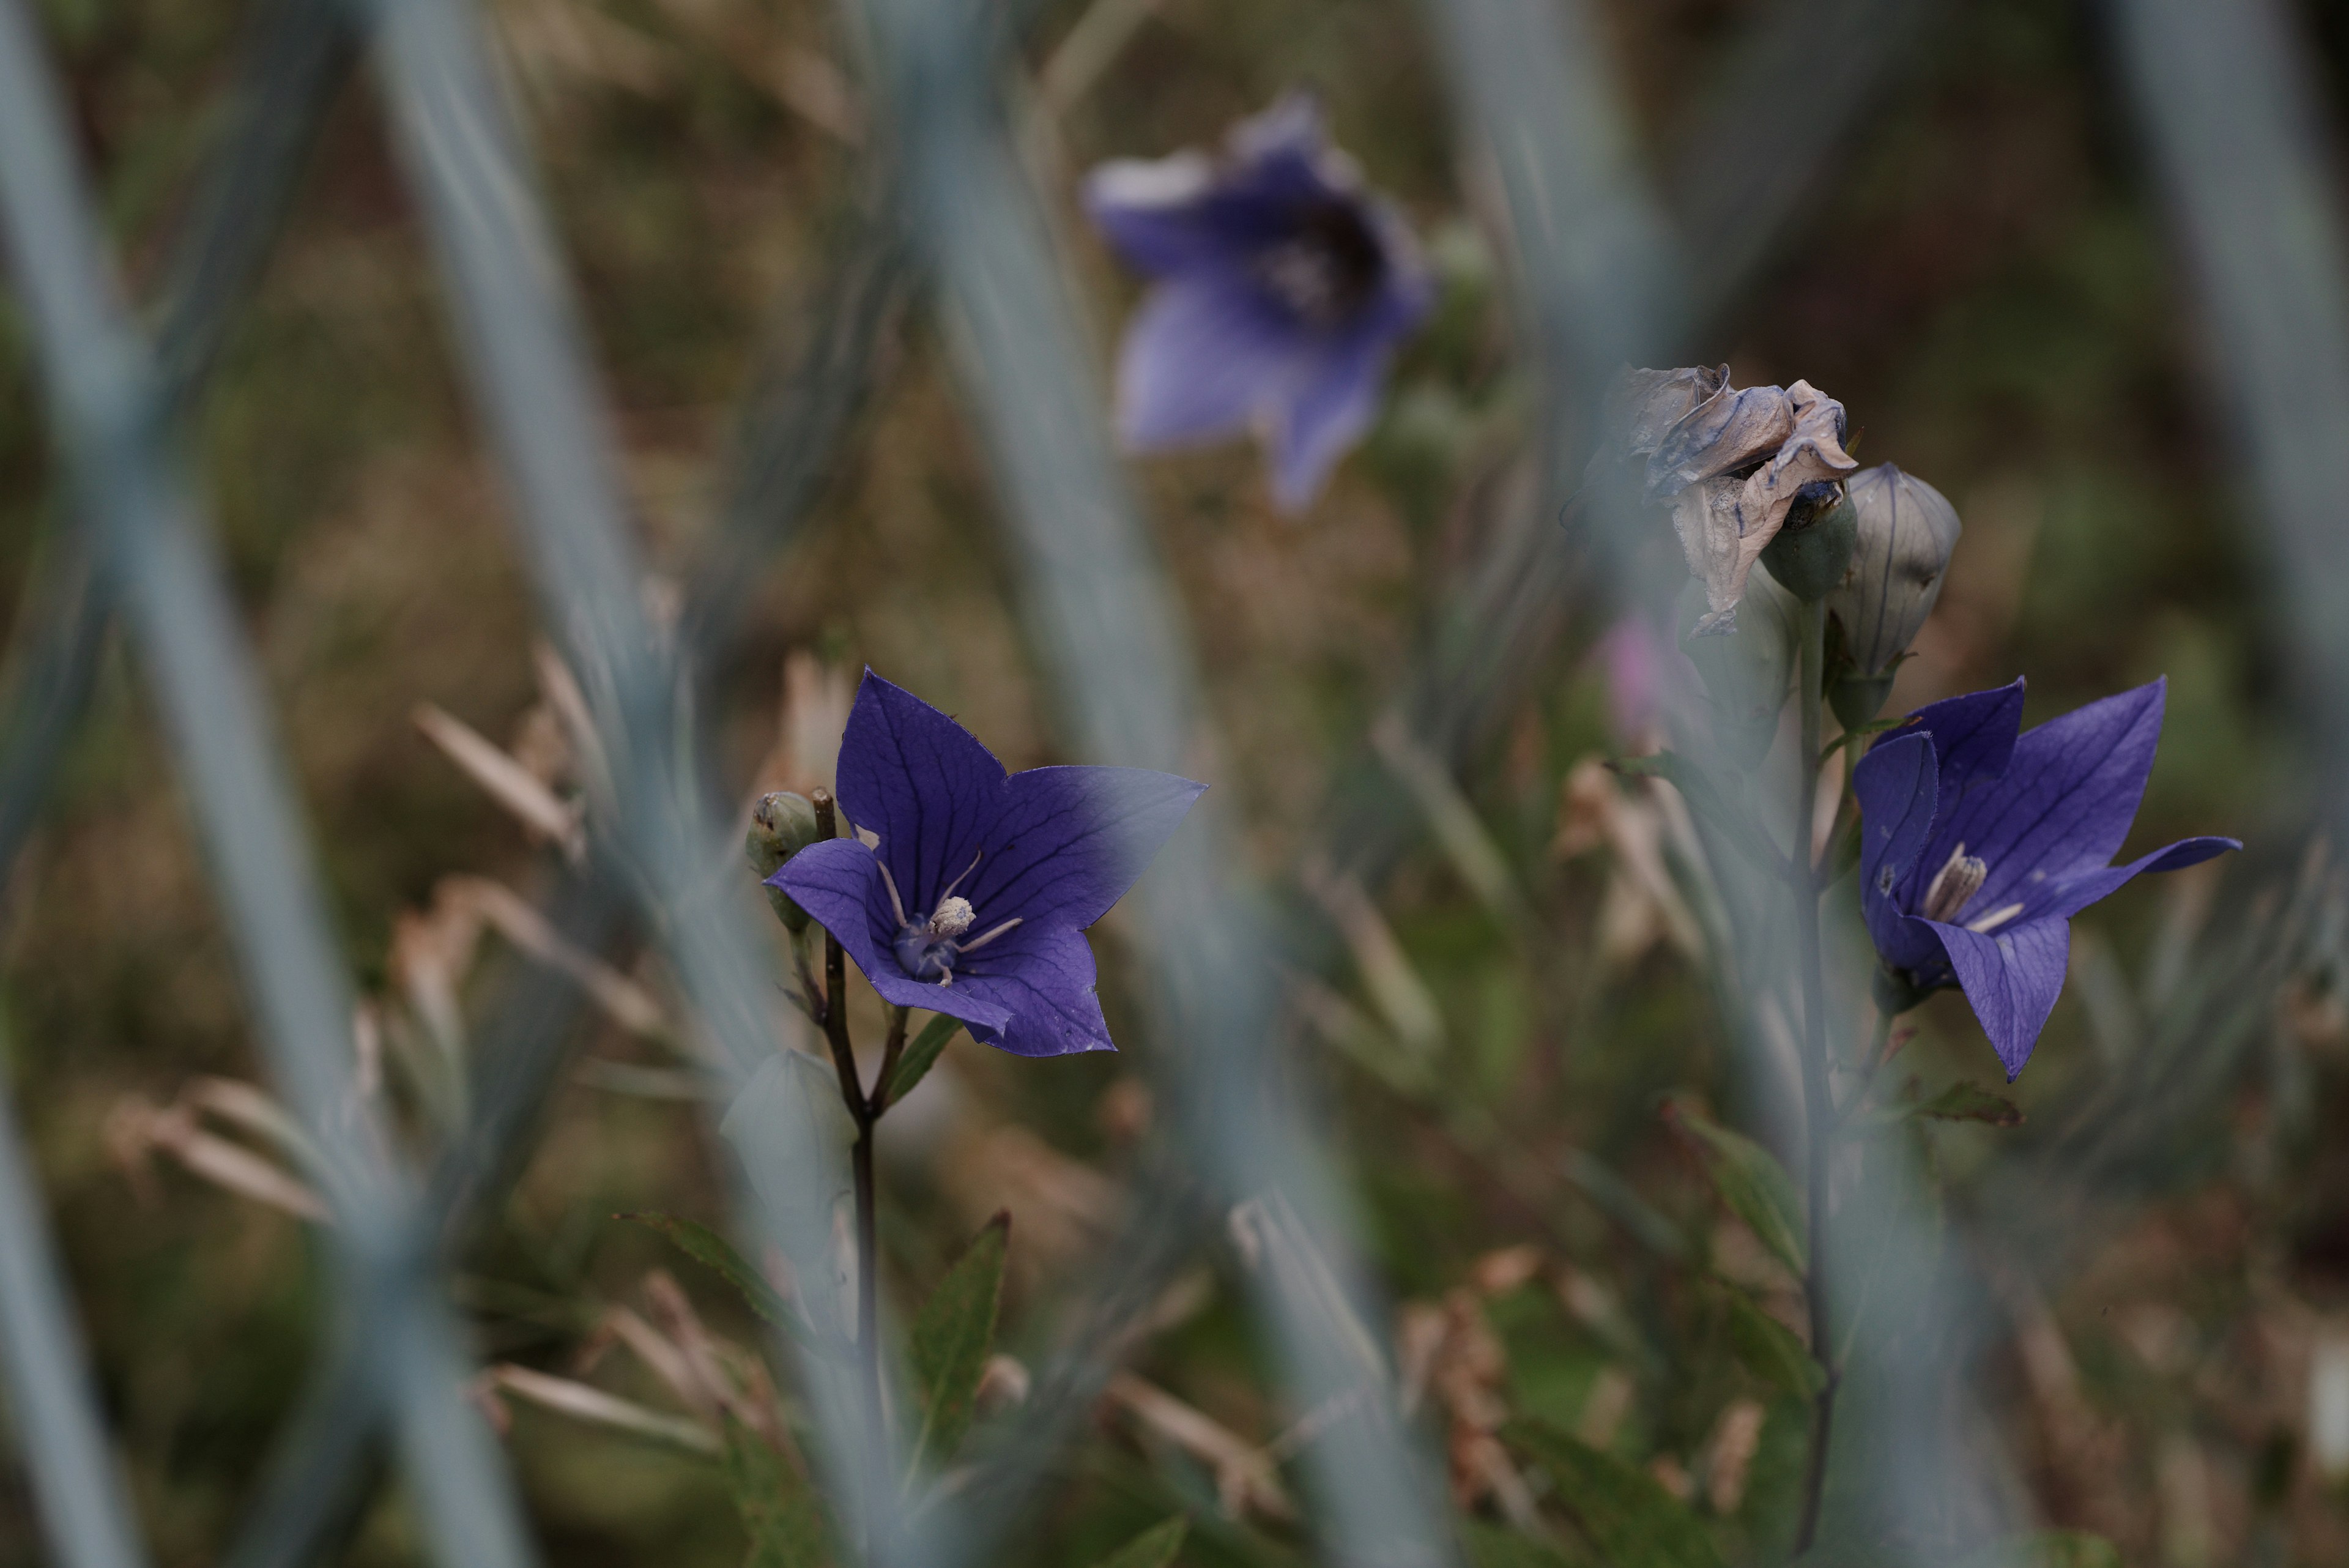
1641	668
1283	284
1979	846
966	889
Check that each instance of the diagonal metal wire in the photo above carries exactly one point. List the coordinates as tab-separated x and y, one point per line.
493	244
805	402
298	57
110	413
315	1488
85	1507
2226	106
1113	646
1507	608
1596	282
795	421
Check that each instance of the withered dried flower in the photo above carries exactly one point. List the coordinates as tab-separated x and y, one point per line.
1729	462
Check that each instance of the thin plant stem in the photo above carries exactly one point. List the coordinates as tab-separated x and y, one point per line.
864	1111
891	1049
1818	1106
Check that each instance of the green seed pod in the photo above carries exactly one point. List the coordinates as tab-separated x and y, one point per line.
781	824
1907	530
1748	671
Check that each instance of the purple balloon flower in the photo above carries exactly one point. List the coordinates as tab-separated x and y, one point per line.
1980	845
966	890
1282	285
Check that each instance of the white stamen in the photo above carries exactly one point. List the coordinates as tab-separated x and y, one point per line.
973	946
1959	880
958	881
890	882
1995	920
952	918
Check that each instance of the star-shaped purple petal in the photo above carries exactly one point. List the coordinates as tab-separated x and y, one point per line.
1283	285
972	895
1979	845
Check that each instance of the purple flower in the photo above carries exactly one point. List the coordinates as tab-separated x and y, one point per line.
966	890
1980	845
1282	285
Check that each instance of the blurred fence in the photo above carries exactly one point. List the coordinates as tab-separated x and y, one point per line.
1605	268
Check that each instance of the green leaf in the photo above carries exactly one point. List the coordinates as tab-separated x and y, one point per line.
1751	1181
704	1245
922	1053
952	1336
1964	1103
1154	1548
1626	1511
780	1512
1768	1348
2049	1549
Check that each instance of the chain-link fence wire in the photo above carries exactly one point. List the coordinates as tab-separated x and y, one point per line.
490	239
110	411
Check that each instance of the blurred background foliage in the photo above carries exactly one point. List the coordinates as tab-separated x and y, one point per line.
1983	282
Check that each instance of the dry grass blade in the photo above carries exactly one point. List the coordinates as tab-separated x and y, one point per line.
543	815
560	689
1401	995
1246	1478
1088	50
630	1005
583	1403
139	1129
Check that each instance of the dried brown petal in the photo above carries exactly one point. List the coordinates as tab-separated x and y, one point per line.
1735	426
1643	405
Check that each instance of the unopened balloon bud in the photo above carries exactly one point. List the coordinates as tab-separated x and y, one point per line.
781	824
1907	532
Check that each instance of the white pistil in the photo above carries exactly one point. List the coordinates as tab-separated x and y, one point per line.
977	943
1959	880
1995	920
952	918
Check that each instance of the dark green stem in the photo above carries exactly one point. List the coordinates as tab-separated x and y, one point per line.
1818	1115
864	1112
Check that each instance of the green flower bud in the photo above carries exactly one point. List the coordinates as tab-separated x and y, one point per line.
781	824
1907	530
1748	671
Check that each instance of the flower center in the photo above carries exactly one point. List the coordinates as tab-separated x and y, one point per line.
1326	267
1960	879
927	947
